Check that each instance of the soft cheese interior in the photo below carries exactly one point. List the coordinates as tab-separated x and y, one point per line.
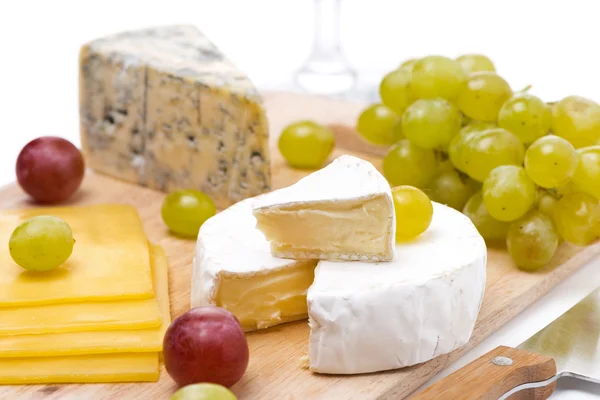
351	228
341	212
267	298
234	269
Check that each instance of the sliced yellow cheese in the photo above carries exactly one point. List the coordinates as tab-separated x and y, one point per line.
110	259
140	367
116	341
77	317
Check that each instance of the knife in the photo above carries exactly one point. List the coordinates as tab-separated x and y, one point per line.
568	347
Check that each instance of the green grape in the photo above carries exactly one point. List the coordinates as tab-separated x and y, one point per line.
41	243
414	212
587	174
407	164
577	119
376	124
437	76
394	90
526	116
306	144
532	241
550	161
546	203
467	131
452	189
483	95
203	391
409	64
457	146
475	63
397	134
455	150
508	193
576	218
485	150
431	123
185	210
491	229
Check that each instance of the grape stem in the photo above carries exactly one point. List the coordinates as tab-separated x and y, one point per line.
441	155
462	176
553	192
525	89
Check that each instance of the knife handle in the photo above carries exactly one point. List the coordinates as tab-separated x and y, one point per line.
492	375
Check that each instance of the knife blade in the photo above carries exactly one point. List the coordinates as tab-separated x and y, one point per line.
568	346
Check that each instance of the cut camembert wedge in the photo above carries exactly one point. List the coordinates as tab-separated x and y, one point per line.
344	211
375	317
234	269
364	317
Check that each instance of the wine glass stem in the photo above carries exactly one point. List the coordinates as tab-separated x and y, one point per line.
326	70
326	41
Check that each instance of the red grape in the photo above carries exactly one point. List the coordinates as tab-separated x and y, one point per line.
50	169
206	344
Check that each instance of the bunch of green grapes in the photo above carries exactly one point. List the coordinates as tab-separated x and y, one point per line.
526	172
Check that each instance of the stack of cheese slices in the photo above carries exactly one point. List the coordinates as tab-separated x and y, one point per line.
325	248
100	317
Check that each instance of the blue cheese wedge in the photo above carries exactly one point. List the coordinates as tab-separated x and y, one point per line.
344	211
164	108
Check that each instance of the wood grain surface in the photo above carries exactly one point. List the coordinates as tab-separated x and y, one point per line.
276	369
483	379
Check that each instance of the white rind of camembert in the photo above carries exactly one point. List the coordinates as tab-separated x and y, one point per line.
234	269
368	318
364	317
344	211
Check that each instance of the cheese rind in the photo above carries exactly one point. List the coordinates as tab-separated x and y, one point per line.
344	211
110	259
375	317
164	108
101	341
233	268
364	317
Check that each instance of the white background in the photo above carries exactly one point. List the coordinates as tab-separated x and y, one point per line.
551	45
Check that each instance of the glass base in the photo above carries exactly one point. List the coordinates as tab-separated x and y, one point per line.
364	90
328	78
362	93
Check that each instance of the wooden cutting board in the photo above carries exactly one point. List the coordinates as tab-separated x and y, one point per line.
276	367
